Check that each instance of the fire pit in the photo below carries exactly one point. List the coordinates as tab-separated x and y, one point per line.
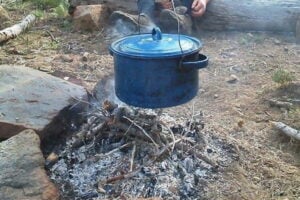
125	152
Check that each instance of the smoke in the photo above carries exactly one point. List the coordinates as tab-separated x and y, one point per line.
122	28
105	90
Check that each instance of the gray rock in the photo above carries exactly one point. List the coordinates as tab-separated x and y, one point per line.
30	99
22	175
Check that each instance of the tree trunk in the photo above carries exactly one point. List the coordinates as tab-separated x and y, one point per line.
16	29
251	15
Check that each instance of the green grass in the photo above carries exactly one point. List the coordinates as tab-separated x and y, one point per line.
283	77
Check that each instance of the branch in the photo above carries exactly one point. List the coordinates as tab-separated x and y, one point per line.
17	29
287	130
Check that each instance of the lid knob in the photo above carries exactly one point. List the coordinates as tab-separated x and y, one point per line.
156	34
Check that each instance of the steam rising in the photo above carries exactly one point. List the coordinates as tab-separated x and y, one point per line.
122	28
105	90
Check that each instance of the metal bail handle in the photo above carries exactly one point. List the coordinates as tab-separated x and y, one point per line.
156	34
200	63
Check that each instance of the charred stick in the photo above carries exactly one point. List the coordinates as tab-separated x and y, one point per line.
122	177
162	152
206	159
172	134
91	134
134	173
130	130
97	128
91	120
143	131
113	151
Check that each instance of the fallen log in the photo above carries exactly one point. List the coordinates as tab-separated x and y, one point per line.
251	15
287	130
17	29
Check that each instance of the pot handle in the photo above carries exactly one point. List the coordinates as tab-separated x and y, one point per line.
156	34
202	62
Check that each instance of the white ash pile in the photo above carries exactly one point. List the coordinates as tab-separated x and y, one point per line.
124	153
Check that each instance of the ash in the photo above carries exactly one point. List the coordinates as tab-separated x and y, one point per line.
126	153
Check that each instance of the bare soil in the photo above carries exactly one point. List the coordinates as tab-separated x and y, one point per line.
239	112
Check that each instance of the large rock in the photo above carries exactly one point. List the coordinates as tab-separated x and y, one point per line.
4	17
22	176
90	17
35	100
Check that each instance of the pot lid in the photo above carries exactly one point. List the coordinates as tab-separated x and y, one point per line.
156	45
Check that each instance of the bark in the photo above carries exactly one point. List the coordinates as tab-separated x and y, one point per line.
251	15
15	30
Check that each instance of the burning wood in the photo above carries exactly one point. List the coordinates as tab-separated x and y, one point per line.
122	150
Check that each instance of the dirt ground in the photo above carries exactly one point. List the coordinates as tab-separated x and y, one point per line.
236	111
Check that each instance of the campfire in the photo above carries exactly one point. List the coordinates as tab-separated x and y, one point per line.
125	152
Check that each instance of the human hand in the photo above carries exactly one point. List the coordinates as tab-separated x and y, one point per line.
198	7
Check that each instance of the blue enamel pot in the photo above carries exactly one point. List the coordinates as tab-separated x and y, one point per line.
157	70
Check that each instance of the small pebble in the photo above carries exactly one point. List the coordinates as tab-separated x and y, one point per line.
277	42
85	56
232	79
51	159
209	150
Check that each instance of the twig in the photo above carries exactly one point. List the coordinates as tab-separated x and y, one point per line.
94	130
122	176
193	112
133	173
52	37
206	159
113	151
132	157
173	137
143	131
287	130
161	152
97	128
